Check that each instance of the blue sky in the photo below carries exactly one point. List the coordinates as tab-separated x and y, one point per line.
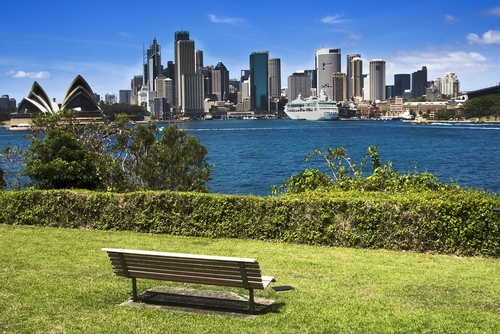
54	41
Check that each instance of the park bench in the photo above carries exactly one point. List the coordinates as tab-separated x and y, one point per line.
189	268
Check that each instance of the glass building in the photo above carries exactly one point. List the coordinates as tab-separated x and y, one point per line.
259	82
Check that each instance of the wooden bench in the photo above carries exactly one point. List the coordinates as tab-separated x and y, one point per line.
189	268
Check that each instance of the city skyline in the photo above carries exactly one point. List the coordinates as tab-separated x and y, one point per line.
52	46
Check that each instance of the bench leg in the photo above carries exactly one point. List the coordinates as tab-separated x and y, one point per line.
252	303
134	290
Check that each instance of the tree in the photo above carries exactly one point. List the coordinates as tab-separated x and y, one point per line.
70	155
482	106
176	162
132	111
3	183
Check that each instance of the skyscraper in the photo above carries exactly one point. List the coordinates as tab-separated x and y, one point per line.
339	89
299	83
349	72
327	62
184	61
356	83
220	82
192	94
419	82
274	78
401	83
450	84
154	64
259	81
377	80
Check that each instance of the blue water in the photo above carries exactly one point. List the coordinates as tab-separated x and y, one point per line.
249	156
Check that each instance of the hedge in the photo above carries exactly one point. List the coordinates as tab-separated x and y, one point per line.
454	222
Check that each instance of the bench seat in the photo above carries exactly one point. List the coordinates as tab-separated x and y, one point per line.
189	268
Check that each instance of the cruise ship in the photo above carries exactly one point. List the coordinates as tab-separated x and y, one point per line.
312	109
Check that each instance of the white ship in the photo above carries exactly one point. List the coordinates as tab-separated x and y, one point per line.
312	109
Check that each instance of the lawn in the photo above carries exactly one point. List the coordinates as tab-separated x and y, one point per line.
59	281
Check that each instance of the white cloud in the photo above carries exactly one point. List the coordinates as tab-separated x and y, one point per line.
494	11
489	37
333	19
227	20
450	19
32	75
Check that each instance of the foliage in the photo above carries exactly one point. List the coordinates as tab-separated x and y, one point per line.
3	183
445	114
175	162
64	154
12	158
454	221
132	111
347	175
488	105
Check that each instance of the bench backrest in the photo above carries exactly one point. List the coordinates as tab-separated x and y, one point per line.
189	268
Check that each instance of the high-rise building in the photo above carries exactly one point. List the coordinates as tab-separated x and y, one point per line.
154	64
168	87
401	84
327	62
389	91
110	98
299	83
259	81
356	83
220	82
339	87
419	82
450	84
198	58
377	80
159	85
274	78
184	62
349	73
125	95
6	102
192	95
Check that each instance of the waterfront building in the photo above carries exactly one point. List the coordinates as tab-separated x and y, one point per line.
154	67
124	96
160	109
450	84
274	78
259	81
339	87
110	98
192	95
401	84
377	80
220	82
184	61
356	82
419	82
349	73
327	62
7	102
299	83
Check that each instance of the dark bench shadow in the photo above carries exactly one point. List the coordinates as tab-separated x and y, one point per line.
201	302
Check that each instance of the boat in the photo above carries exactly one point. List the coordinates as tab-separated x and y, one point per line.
314	108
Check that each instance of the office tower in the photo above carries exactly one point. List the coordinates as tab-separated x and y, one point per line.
419	82
274	78
184	61
339	87
349	74
192	94
327	62
207	73
168	87
377	80
356	72
198	58
220	82
259	82
401	84
299	83
125	96
159	84
7	102
110	98
389	91
154	64
450	84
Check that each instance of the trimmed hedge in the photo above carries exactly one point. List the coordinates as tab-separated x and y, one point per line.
454	222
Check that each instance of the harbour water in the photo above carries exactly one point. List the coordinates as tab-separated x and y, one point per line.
249	156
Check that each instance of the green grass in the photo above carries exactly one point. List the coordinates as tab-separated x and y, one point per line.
59	281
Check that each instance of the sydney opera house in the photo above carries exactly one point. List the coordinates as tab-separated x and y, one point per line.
78	97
